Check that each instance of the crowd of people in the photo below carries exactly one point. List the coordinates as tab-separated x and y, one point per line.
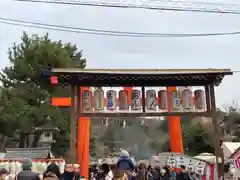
124	169
71	172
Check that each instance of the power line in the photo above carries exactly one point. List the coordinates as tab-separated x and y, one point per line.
102	32
66	30
91	30
152	5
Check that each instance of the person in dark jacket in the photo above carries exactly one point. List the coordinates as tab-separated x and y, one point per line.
164	174
125	162
183	174
52	172
76	172
68	173
26	173
156	173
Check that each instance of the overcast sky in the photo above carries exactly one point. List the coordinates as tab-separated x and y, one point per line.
125	52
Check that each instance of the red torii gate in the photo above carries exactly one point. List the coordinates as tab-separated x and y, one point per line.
82	79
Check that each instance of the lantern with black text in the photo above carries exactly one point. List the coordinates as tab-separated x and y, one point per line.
151	100
136	100
187	99
123	100
199	98
98	100
111	100
87	100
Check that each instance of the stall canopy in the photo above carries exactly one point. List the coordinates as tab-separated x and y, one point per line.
208	157
229	148
32	153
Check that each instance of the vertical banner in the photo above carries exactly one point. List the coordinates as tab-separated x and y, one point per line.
174	125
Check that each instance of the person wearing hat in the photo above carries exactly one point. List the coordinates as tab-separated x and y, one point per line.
52	172
125	162
3	174
26	173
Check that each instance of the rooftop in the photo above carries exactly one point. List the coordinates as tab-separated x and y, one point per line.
138	77
32	153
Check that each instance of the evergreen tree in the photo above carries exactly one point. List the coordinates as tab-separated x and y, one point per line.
26	95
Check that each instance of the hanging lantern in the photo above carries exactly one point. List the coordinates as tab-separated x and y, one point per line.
123	100
176	101
162	100
111	100
136	100
98	100
151	100
199	97
186	99
87	100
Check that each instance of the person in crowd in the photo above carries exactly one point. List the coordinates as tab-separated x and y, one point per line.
94	172
76	172
125	162
183	174
165	174
106	172
68	173
141	173
113	168
228	174
150	172
156	172
173	173
26	173
193	176
3	174
52	172
90	174
120	175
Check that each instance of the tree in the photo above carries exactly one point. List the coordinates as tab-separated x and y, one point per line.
27	95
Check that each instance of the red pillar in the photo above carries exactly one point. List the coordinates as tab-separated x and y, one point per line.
175	129
83	136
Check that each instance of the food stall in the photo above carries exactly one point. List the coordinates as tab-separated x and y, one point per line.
204	169
40	157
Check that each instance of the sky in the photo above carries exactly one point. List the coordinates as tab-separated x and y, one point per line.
125	52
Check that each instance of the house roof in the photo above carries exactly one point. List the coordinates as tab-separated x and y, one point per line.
32	153
138	77
47	126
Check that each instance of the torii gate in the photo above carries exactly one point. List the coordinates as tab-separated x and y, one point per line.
80	79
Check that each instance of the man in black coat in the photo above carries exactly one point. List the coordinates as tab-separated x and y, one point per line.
26	173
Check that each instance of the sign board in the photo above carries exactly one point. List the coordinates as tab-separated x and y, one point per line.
180	160
172	161
200	167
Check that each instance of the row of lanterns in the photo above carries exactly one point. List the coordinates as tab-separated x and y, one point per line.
185	99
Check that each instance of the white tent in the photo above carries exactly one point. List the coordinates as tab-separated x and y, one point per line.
229	148
211	158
